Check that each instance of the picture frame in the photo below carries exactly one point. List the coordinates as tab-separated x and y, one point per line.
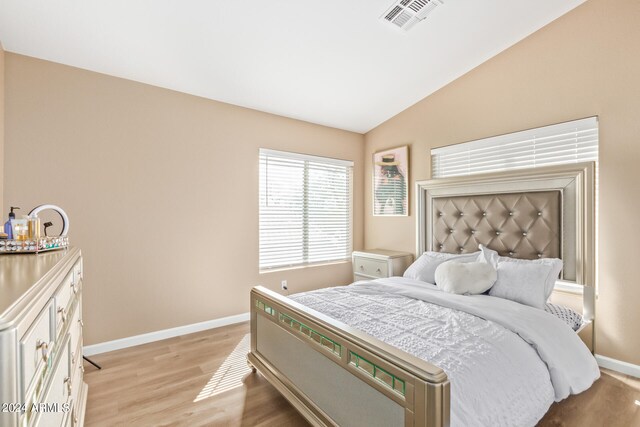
390	182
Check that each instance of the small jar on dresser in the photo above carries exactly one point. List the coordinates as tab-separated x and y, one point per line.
41	340
377	263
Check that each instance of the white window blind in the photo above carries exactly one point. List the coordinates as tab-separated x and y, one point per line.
305	209
570	142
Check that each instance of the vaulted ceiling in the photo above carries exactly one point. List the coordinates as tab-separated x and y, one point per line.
331	62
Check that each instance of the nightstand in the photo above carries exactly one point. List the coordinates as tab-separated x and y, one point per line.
377	263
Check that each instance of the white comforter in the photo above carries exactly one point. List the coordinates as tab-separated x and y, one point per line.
506	362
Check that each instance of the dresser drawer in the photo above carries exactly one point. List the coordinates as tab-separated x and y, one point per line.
77	382
79	398
35	348
57	397
64	298
75	333
78	271
370	267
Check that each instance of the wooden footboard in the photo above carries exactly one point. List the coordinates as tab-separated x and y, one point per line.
336	375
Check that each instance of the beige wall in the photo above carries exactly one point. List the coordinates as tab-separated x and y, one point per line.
3	217
161	189
585	63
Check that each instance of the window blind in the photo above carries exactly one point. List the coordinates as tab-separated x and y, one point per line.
305	209
569	142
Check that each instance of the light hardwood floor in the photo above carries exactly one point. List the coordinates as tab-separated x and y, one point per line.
202	380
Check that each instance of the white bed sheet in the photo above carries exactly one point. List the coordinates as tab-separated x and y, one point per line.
506	362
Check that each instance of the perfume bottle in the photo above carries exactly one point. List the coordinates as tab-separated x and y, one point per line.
34	227
20	229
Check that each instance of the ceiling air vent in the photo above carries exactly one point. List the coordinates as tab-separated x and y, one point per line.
406	13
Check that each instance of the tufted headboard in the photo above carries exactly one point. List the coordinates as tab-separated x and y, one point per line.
529	213
521	225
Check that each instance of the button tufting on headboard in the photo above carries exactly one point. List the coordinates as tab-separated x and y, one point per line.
523	225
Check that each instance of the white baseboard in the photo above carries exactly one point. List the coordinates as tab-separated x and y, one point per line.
118	344
618	366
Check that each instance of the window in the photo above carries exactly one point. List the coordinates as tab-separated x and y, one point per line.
305	209
570	142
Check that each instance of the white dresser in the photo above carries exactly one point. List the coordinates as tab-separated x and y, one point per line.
41	368
376	263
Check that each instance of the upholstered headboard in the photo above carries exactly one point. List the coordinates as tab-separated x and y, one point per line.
521	225
547	212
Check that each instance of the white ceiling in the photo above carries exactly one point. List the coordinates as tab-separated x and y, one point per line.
329	62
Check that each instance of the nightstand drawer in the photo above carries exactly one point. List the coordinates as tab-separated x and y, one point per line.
370	267
379	263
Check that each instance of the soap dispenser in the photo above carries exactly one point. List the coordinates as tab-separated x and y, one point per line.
7	225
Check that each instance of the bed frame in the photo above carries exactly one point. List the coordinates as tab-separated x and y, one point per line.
336	375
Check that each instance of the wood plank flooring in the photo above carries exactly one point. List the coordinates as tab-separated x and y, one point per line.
202	379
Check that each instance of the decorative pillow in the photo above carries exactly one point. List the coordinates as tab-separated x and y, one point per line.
567	315
490	256
523	283
424	268
465	278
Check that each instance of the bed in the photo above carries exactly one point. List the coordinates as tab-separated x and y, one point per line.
402	352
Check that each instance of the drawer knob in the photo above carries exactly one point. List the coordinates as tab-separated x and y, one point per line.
362	267
82	369
67	381
74	288
81	322
44	348
378	271
63	315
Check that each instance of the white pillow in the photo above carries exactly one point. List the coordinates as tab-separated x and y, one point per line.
465	278
424	268
555	264
523	283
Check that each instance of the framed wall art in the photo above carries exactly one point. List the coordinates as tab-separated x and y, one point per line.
391	182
